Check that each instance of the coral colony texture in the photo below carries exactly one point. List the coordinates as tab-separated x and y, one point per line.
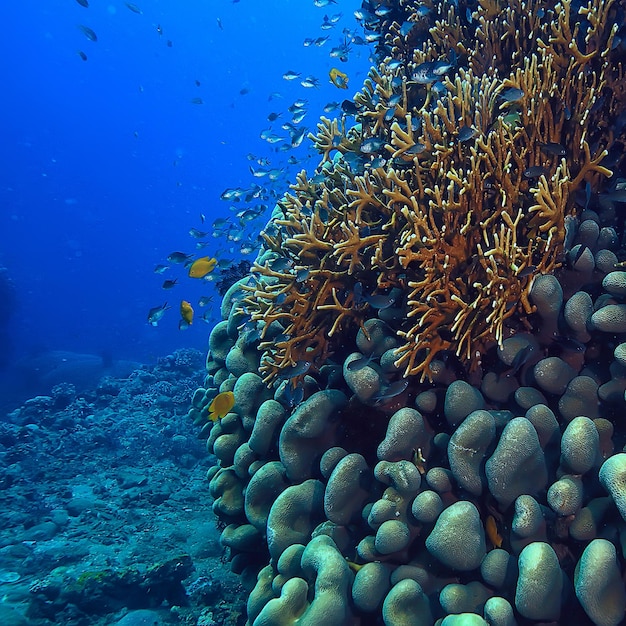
428	358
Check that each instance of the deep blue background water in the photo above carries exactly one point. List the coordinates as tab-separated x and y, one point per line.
106	163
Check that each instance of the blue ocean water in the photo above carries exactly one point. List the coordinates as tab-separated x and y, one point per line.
113	149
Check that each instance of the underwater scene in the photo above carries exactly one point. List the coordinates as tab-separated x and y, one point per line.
313	312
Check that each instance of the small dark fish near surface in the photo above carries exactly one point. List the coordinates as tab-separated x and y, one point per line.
83	3
442	67
178	257
134	8
90	34
155	314
198	234
349	107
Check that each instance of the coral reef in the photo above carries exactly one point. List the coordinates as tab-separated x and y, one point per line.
451	205
428	359
100	518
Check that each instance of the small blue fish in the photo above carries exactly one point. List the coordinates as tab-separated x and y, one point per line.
134	8
290	394
310	82
349	107
155	314
299	369
407	27
197	234
443	67
88	32
393	390
251	335
302	274
281	264
536	171
417	148
512	94
179	257
291	75
380	302
371	145
521	358
424	74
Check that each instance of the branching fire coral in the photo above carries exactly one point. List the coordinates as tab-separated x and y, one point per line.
451	191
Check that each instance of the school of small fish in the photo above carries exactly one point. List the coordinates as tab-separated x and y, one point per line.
236	233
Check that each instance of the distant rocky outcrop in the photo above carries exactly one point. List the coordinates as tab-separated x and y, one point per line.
37	374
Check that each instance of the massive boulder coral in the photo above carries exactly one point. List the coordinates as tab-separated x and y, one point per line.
428	356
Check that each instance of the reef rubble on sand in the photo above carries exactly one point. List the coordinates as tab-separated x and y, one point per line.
101	512
429	357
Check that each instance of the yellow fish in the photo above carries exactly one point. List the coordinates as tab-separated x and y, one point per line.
355	567
492	531
221	405
186	312
201	267
338	78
